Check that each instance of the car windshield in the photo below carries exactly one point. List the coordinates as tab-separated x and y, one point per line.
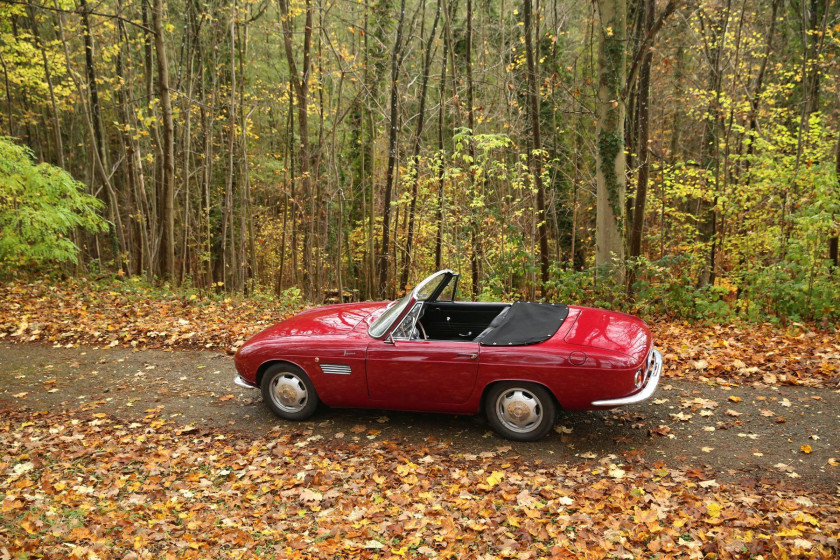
422	292
382	324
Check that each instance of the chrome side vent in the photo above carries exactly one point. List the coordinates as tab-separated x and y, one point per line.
336	369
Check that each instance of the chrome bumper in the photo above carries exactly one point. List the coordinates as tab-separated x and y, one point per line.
647	390
242	383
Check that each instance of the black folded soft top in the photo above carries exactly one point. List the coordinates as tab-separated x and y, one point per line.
524	323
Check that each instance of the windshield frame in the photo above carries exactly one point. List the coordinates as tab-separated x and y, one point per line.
394	312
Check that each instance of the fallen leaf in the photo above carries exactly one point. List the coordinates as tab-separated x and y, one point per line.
495	478
616	472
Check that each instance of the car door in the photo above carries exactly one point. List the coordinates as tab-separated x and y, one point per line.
419	373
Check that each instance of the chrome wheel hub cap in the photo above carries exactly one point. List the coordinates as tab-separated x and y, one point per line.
519	410
289	393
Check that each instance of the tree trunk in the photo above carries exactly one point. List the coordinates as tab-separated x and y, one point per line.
167	190
643	119
396	61
59	146
535	157
8	89
610	161
230	270
300	83
441	182
710	155
833	241
415	157
475	233
93	88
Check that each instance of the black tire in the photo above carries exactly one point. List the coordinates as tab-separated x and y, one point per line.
288	392
520	411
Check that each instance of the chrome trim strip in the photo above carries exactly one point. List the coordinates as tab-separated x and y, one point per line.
646	392
242	383
336	369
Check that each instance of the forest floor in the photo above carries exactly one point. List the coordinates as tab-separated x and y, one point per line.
119	441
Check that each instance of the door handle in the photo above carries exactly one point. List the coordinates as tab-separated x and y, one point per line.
466	355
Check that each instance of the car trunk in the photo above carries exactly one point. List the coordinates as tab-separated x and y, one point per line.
612	331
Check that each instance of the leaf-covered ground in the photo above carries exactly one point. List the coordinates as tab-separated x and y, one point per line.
127	313
89	485
88	471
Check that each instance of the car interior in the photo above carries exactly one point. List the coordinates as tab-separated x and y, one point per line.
460	321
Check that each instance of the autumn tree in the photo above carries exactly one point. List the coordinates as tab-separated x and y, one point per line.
610	156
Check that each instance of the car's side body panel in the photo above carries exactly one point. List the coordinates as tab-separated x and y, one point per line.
418	372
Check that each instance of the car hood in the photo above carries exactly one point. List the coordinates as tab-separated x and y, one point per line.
326	320
611	331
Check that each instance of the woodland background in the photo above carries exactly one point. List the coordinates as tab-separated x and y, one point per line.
678	157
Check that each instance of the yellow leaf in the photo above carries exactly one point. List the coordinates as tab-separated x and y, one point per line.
733	398
713	510
495	478
806	518
806	449
789	533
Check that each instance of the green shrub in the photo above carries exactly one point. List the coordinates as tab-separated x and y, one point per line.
40	206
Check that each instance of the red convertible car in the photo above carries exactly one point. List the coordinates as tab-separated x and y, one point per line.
520	363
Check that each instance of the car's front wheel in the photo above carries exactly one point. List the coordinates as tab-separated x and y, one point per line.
288	392
520	411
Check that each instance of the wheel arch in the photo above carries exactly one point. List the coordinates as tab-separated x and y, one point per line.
267	364
482	406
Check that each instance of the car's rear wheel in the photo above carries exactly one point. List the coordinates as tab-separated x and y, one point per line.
520	411
288	392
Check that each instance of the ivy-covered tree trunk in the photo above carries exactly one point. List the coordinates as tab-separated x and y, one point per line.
610	158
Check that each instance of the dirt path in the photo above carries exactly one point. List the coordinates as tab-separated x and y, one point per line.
786	434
